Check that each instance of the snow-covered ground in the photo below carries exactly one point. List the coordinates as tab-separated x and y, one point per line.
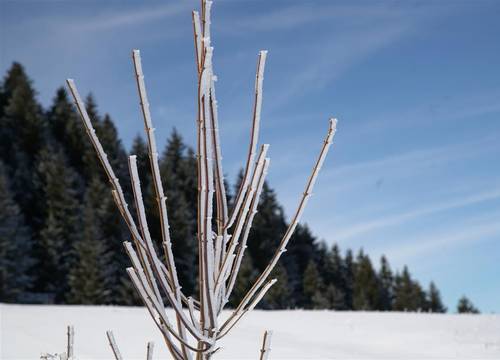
27	331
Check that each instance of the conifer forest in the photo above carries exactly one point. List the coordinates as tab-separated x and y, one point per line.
61	235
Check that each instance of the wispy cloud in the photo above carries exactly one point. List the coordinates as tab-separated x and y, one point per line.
337	51
133	16
286	18
430	243
467	105
334	57
401	165
398	219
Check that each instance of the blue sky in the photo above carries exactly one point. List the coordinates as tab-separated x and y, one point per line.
414	170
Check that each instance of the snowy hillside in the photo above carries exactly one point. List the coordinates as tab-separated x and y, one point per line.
27	331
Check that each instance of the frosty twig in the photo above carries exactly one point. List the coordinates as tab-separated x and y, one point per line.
222	234
266	345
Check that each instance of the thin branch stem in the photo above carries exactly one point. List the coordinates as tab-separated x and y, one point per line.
284	241
247	226
149	351
160	194
226	265
254	137
266	345
71	341
112	344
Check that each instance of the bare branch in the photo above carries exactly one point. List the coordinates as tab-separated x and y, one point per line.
247	226
220	253
149	353
239	313
71	340
114	347
254	137
141	215
175	304
266	345
284	241
197	39
226	265
160	194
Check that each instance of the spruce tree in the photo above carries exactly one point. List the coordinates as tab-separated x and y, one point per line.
89	278
465	306
22	121
111	229
313	288
365	289
110	222
92	167
22	135
348	280
408	294
108	134
335	298
334	279
301	250
278	297
435	303
62	224
15	247
386	285
66	129
174	170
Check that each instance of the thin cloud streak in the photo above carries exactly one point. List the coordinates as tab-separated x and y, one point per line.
470	105
333	58
362	228
429	244
398	166
296	16
132	17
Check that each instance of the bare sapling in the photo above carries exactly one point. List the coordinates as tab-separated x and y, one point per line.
222	233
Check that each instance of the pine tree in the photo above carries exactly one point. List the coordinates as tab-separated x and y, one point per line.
465	306
408	293
21	137
435	303
334	279
335	266
108	135
66	129
335	298
278	297
22	122
15	246
110	222
90	161
302	249
365	289
111	230
174	168
313	288
386	285
89	279
61	223
348	279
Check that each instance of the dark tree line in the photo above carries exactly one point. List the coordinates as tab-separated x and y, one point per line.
61	234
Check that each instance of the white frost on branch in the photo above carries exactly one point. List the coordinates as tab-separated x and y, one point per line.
222	233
